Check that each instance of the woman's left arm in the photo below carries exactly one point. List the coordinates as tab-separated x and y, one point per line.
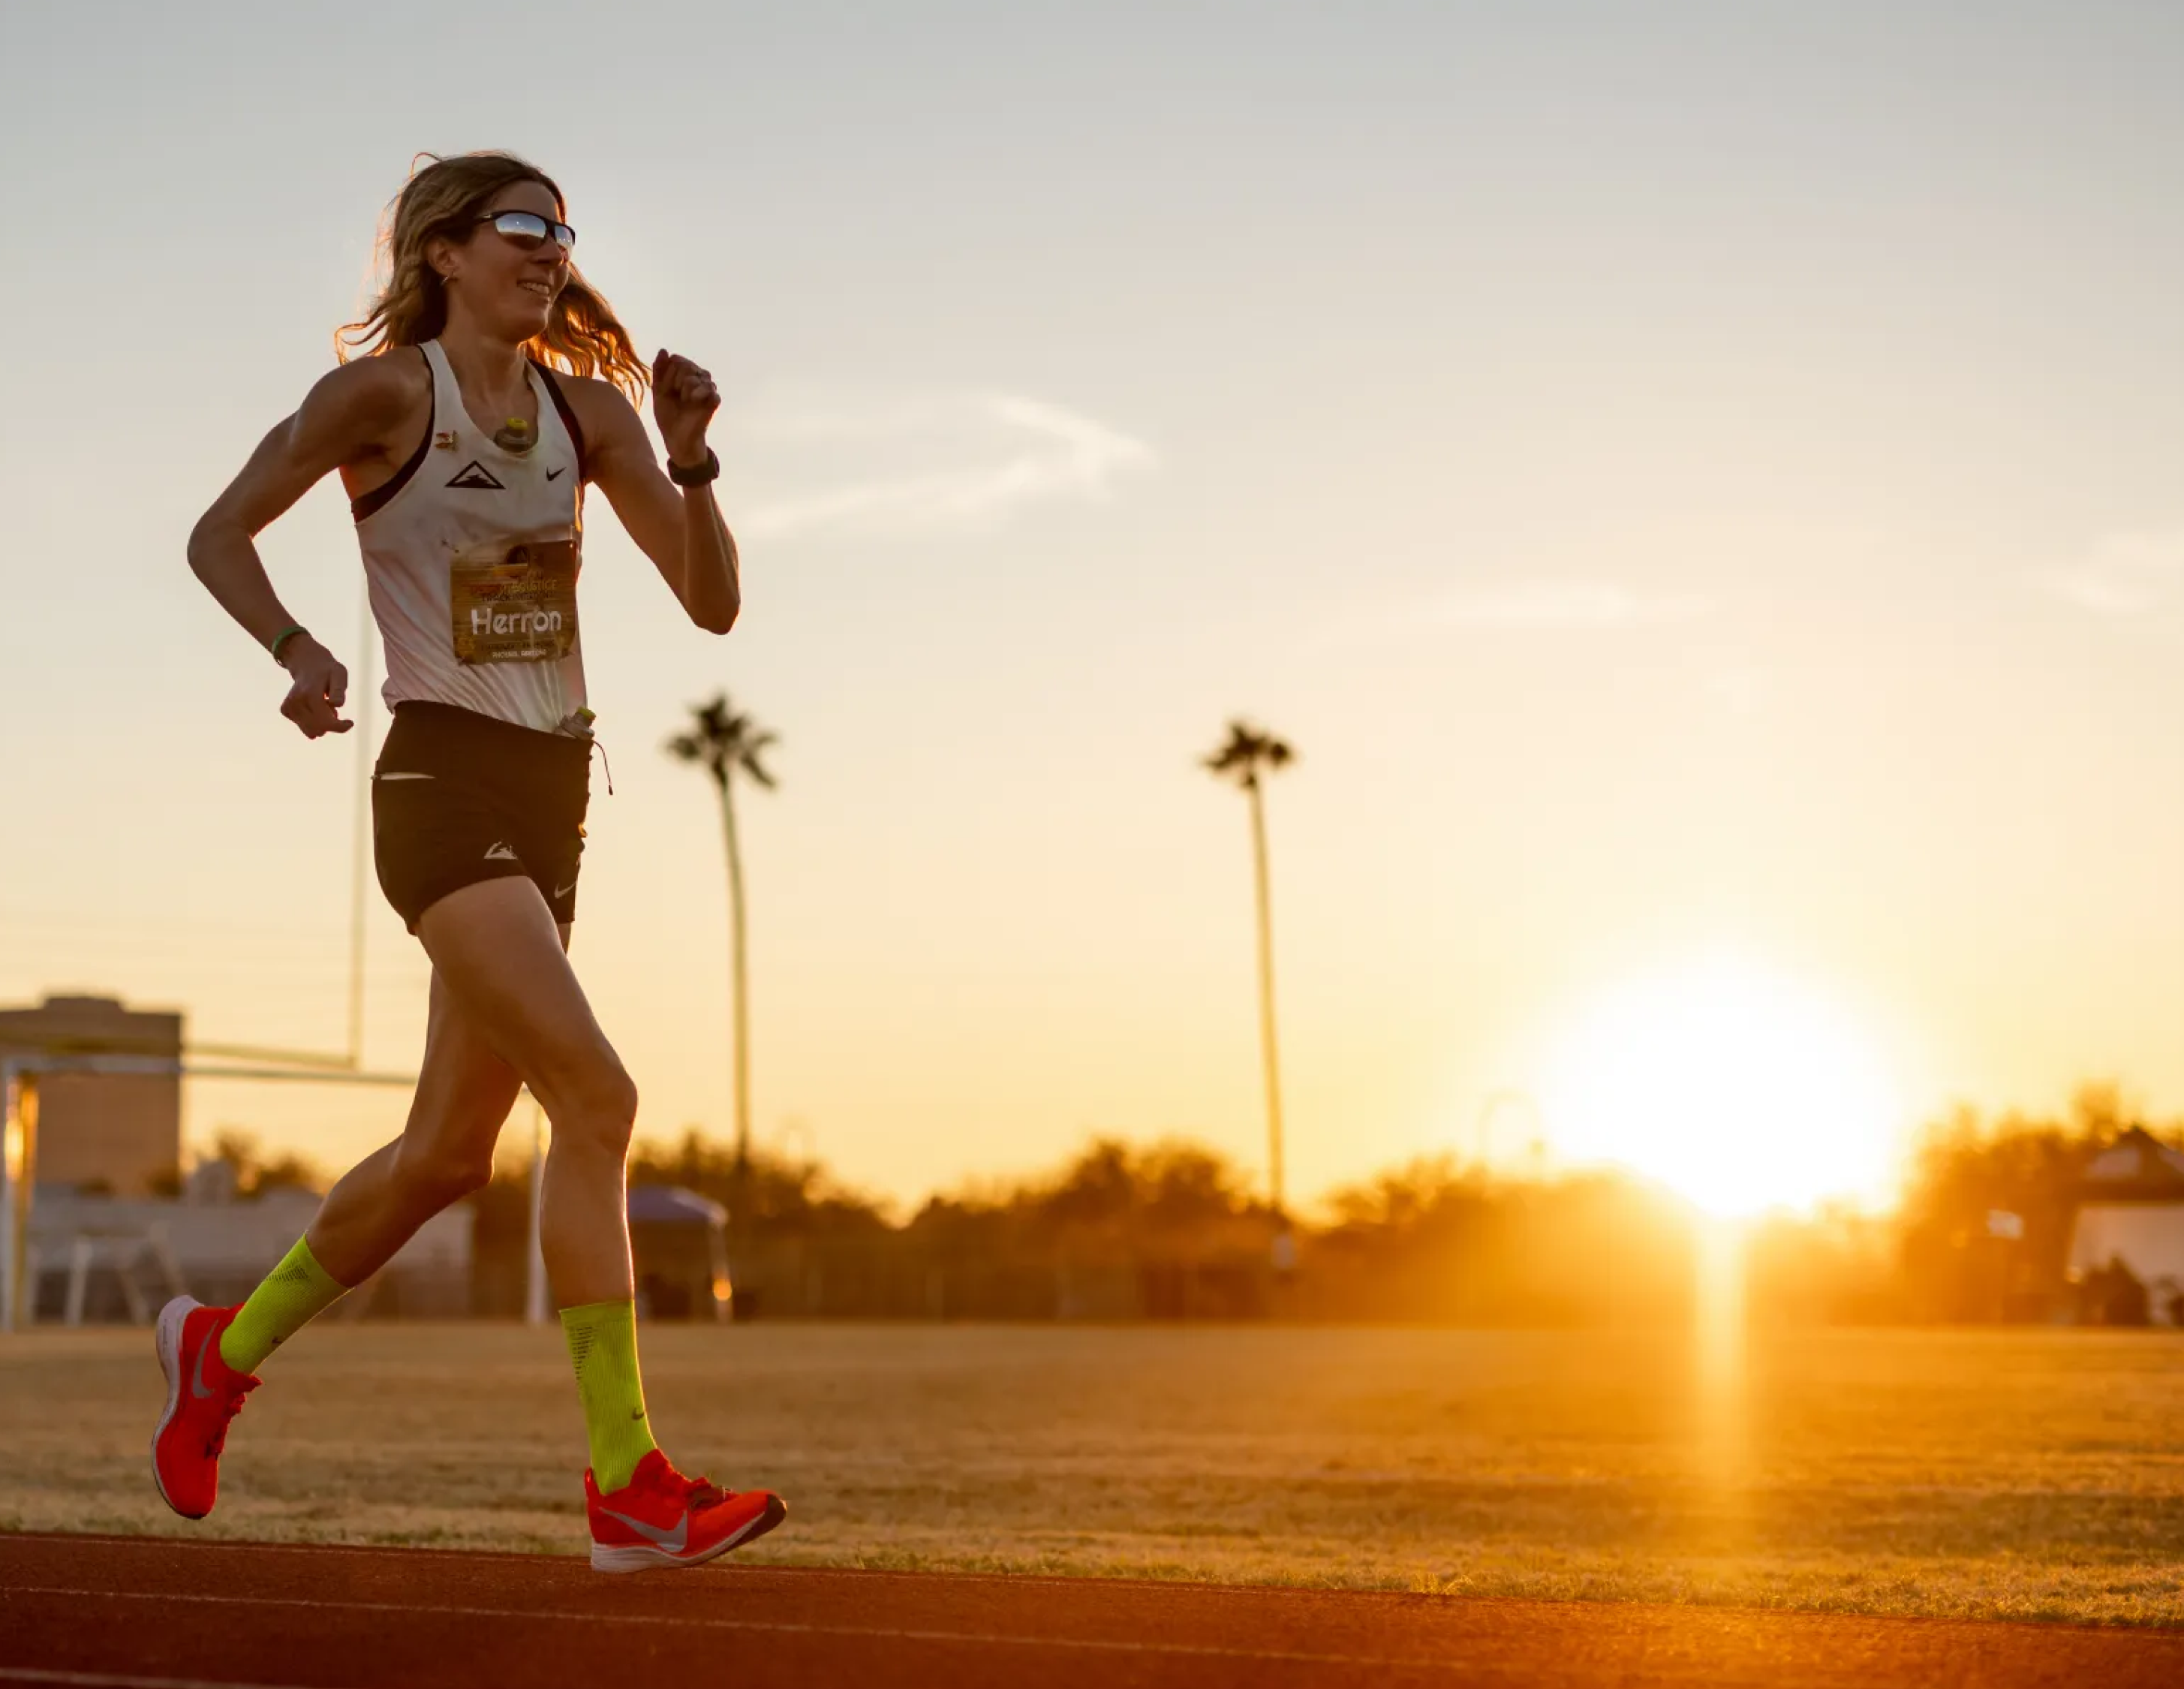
680	528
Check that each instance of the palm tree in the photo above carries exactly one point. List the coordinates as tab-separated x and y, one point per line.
727	743
1247	751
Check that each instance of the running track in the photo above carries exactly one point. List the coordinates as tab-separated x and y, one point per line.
141	1612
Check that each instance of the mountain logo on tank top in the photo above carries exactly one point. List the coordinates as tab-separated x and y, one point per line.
476	474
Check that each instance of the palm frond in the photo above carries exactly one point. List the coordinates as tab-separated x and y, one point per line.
723	739
1245	749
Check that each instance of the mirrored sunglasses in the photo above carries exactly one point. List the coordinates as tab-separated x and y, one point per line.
528	228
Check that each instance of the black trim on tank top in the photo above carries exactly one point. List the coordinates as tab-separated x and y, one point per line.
358	508
568	415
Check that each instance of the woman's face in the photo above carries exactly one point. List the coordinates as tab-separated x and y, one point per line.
506	286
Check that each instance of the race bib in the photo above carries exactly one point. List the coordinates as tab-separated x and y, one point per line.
519	607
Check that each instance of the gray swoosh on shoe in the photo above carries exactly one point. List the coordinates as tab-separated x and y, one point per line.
197	1378
674	1541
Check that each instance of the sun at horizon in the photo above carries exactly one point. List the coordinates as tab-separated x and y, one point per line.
1738	1087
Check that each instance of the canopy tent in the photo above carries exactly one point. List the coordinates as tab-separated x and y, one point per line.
2130	1214
679	1241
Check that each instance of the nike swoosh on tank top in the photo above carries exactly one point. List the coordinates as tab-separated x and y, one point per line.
472	552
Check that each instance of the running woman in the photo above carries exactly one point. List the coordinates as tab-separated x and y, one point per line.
498	385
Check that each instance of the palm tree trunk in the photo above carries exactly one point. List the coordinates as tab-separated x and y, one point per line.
741	1009
1267	997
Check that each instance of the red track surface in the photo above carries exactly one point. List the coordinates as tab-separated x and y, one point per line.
121	1611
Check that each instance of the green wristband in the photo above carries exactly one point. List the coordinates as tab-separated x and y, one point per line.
286	634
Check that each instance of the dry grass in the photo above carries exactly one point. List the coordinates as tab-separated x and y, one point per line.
1994	1475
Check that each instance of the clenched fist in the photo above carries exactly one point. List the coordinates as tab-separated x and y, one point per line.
320	689
683	401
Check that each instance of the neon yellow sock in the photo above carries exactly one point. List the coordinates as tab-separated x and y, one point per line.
294	1293
603	1343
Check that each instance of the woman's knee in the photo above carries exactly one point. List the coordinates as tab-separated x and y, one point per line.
599	1107
435	1177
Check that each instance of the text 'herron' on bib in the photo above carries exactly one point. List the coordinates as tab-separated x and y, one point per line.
518	607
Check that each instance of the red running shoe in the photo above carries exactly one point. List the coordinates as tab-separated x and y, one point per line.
203	1393
659	1518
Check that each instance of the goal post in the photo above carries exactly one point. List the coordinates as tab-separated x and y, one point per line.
20	1071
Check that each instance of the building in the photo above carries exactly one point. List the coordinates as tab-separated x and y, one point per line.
120	1134
2127	1236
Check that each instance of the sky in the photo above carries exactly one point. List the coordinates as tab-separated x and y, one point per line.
1690	481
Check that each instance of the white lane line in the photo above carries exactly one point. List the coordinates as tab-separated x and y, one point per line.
107	1680
774	1626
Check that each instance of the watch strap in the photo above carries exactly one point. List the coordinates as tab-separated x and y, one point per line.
698	474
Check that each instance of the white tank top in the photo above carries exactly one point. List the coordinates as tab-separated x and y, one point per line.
472	552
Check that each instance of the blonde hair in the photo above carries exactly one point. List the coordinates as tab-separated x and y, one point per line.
583	334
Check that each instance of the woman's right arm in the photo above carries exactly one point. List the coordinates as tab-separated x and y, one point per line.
347	417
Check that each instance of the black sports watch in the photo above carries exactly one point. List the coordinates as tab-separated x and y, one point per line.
698	476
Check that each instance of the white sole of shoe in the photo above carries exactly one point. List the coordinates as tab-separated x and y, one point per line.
641	1557
167	1338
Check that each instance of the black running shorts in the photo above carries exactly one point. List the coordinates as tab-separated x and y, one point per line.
458	797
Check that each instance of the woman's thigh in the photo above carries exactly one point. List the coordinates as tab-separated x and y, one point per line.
515	1012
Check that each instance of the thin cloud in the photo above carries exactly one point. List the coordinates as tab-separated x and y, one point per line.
1562	603
1741	691
2128	574
1004	452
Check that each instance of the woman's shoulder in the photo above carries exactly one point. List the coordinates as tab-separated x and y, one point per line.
591	394
381	388
604	412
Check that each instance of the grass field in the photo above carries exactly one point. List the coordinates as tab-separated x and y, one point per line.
2031	1475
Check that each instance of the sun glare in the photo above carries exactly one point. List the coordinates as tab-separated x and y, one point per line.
1729	1084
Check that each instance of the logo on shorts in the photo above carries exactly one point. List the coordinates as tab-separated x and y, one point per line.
476	475
500	853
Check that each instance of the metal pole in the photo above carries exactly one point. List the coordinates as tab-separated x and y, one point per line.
362	847
26	1192
18	1172
304	1076
1268	1049
10	1161
535	1297
286	1058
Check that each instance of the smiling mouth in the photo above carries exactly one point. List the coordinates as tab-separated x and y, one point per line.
539	288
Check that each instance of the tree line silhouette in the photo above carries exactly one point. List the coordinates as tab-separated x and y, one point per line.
1175	1230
